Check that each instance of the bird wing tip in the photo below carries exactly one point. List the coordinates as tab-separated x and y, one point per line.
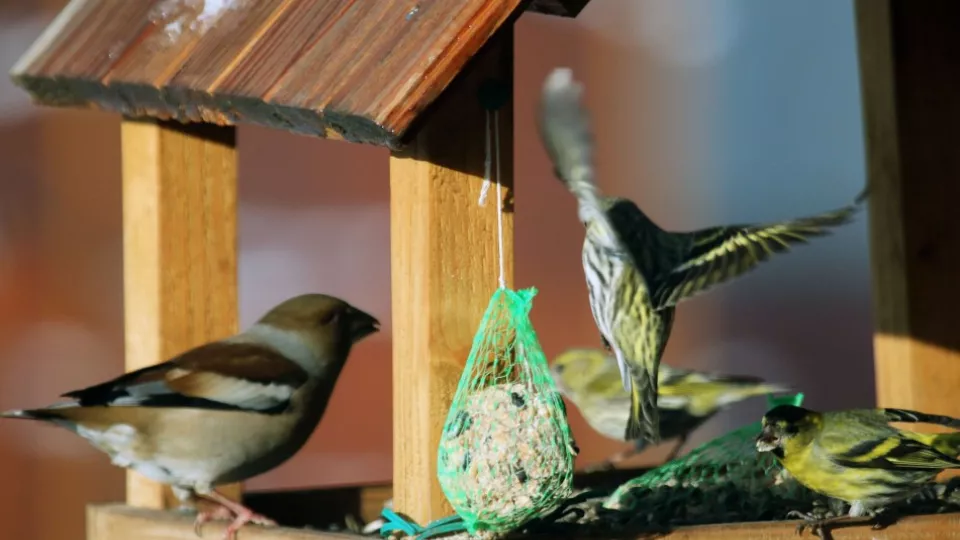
33	413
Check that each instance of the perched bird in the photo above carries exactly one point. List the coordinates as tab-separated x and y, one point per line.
856	456
637	272
590	378
225	411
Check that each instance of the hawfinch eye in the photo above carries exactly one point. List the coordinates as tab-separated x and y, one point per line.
330	317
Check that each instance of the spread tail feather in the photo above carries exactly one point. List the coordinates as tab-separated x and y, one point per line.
644	422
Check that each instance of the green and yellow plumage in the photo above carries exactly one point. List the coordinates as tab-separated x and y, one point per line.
856	456
686	399
637	272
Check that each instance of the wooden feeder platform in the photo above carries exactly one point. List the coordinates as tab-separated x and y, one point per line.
405	75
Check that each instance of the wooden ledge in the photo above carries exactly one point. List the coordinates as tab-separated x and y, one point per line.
121	522
939	526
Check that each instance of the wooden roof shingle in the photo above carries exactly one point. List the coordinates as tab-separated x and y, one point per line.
357	70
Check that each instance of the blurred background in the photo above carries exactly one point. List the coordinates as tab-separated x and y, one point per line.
707	112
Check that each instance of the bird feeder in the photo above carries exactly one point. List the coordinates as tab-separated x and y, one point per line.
405	75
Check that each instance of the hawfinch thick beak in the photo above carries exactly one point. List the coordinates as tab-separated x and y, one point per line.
767	441
362	325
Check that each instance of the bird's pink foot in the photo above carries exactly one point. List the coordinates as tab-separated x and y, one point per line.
220	513
230	510
242	519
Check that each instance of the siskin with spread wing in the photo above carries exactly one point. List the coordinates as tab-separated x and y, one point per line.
687	398
856	456
637	272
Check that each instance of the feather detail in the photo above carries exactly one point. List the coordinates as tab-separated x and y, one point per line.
904	415
715	255
217	376
893	453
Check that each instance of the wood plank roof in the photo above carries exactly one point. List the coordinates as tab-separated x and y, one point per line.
358	70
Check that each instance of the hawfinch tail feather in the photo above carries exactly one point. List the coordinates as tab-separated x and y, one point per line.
231	376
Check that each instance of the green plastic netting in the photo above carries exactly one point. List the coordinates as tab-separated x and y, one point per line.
506	453
723	480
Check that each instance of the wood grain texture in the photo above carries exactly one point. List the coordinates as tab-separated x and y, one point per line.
910	73
345	69
179	250
118	522
444	267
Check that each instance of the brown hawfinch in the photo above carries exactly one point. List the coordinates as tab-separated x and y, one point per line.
225	411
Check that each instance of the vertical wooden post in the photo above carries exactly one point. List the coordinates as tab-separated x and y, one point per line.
910	73
179	250
444	266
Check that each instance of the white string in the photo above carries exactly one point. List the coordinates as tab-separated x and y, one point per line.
486	163
488	158
496	138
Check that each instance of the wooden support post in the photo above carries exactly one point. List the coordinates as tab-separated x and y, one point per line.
179	250
444	266
910	73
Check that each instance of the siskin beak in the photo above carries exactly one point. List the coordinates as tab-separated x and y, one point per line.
766	442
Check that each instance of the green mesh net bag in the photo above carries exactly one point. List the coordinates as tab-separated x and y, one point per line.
723	480
506	453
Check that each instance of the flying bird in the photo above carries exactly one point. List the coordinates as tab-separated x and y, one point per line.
636	272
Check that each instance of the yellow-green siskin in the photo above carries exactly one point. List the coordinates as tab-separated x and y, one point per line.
635	271
856	456
590	378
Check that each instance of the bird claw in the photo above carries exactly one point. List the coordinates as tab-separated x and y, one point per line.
882	519
220	513
239	519
813	520
816	528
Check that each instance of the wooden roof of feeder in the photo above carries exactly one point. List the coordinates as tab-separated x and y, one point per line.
356	70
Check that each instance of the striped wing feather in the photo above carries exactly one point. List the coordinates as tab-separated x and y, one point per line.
896	452
715	255
905	415
212	376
